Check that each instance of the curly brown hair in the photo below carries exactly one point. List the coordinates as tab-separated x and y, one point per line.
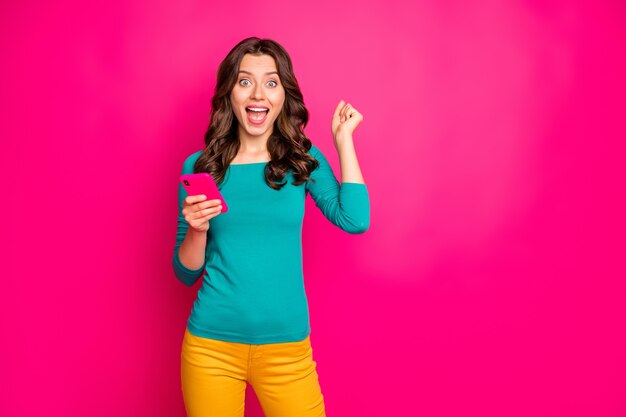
288	145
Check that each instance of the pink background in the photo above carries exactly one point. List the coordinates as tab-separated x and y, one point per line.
491	281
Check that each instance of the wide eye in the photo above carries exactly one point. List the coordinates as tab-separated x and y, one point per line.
272	83
244	80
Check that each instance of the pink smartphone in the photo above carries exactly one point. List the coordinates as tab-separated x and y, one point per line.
203	183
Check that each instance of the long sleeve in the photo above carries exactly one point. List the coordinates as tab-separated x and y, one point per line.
347	205
185	275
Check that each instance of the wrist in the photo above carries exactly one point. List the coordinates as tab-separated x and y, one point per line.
196	234
344	141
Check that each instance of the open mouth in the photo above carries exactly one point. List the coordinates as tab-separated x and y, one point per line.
257	114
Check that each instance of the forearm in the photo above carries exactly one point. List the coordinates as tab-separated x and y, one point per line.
350	169
192	250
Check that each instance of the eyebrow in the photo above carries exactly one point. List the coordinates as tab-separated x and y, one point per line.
267	73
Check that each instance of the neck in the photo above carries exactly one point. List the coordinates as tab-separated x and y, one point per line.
253	145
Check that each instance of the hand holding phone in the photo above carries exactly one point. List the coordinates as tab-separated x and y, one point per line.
203	183
203	203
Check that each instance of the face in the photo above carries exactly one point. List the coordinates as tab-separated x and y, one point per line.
257	97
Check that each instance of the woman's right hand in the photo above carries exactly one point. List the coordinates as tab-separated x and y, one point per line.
198	212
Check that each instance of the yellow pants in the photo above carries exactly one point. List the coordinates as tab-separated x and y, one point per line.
214	374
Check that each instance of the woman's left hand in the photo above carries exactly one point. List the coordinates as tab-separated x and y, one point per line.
345	120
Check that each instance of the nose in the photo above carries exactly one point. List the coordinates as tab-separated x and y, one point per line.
257	92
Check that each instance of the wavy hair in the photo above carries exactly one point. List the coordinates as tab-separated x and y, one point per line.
288	145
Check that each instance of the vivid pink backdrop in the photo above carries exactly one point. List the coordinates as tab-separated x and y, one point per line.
491	281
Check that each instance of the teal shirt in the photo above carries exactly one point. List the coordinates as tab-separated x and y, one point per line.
252	280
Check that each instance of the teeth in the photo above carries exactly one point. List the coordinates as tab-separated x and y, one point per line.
256	109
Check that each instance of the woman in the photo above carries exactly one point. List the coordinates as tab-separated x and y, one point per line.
250	321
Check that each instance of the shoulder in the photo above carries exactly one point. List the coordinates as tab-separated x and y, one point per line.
316	153
190	161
